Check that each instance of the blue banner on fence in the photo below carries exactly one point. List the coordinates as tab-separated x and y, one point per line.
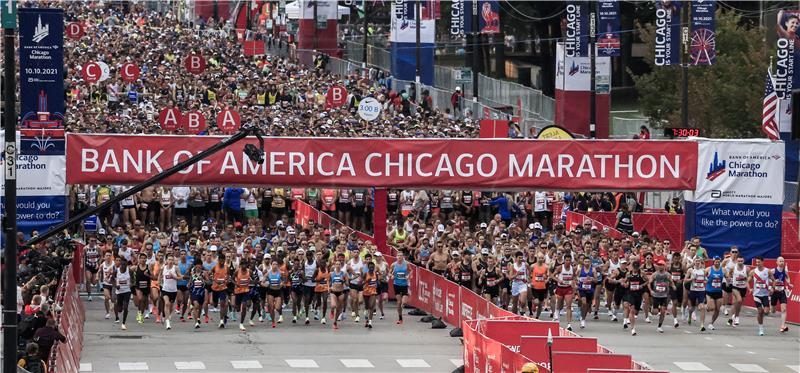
703	39
668	33
576	29
608	36
41	67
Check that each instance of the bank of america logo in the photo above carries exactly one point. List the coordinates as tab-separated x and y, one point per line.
716	168
41	31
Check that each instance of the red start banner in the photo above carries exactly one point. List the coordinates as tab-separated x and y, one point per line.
394	163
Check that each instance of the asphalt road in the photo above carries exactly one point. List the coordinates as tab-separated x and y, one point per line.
412	347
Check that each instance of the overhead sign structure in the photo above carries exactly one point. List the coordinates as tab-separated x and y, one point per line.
337	96
479	164
369	109
195	63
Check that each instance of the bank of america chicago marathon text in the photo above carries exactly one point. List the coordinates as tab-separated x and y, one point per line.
645	166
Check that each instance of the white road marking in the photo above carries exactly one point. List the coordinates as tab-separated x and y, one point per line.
413	363
795	368
728	345
357	363
457	362
246	364
708	338
302	363
751	352
749	368
687	332
189	365
85	367
133	366
772	358
691	366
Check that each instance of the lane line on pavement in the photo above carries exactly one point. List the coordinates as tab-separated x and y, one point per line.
133	366
728	345
189	365
356	363
245	364
751	352
691	366
795	368
457	362
687	332
708	338
85	367
413	363
749	368
301	363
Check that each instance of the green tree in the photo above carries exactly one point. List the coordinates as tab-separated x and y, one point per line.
725	100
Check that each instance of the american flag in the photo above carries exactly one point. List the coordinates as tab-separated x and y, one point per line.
769	119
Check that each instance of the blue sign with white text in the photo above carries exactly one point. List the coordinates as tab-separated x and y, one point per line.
41	67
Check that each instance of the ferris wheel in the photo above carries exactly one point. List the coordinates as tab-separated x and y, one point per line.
703	47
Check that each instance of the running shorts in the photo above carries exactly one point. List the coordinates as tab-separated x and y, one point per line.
241	297
761	301
518	288
563	291
588	294
171	295
635	300
383	287
714	294
778	297
539	294
697	297
660	302
742	291
400	289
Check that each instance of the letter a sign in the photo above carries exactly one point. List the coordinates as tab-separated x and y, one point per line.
337	96
195	63
228	121
168	118
193	122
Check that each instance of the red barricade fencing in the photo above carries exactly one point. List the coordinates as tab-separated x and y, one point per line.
580	362
535	347
508	332
622	371
575	219
66	357
661	225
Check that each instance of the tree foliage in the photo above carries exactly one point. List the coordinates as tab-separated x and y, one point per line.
725	100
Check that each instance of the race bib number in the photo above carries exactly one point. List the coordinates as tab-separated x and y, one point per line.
142	284
661	288
122	282
716	283
539	278
586	286
676	277
635	286
760	286
567	282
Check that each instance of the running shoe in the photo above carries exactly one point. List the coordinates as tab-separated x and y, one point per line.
736	320
140	318
108	316
676	323
369	324
323	321
595	315
353	314
90	298
260	319
702	328
784	329
294	319
190	317
730	322
221	324
308	321
335	326
711	327
760	331
241	327
382	315
251	323
183	319
205	319
116	321
569	327
583	324
316	315
169	326
357	319
399	322
725	311
660	330
647	320
633	331
197	325
614	318
147	315
273	325
158	319
123	327
280	319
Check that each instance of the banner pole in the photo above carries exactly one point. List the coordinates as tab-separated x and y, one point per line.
685	66
10	217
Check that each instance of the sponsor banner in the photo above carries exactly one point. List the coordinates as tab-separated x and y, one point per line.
787	47
668	33
460	18
493	351
403	24
479	163
740	171
508	332
38	213
576	32
474	359
423	296
608	28
473	306
39	175
513	362
489	16
452	302
41	68
438	293
575	73
793	300
703	38
739	197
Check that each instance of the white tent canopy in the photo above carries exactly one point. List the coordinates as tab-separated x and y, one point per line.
293	10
